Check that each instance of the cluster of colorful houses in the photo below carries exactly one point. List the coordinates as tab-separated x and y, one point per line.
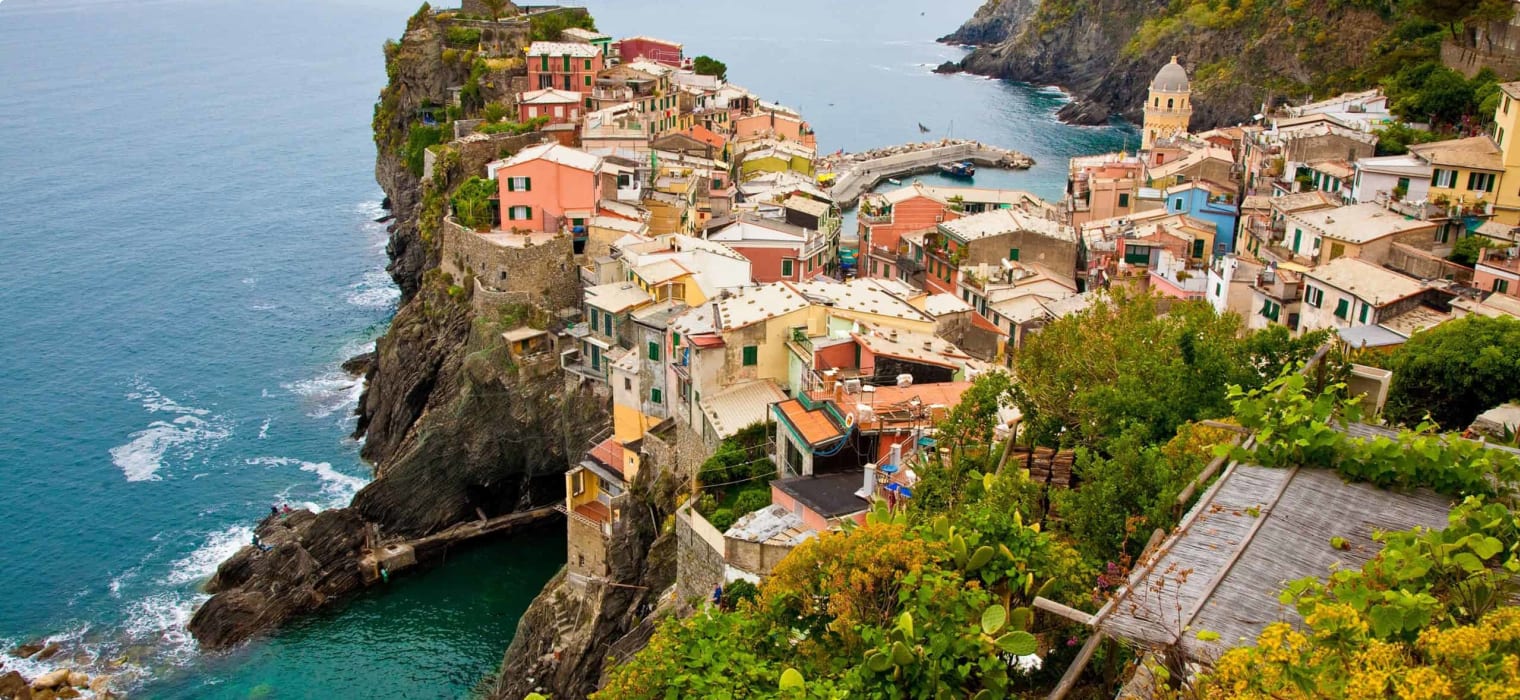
704	259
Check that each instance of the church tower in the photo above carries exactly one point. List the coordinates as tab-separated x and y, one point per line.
1169	106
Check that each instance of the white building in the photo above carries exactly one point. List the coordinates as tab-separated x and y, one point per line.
1377	179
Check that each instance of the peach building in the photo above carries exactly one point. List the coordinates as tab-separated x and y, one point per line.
547	188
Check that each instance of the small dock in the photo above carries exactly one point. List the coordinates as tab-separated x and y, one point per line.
857	173
403	554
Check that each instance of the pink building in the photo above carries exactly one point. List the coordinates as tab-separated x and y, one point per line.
778	251
658	50
1498	271
547	188
563	66
766	124
560	106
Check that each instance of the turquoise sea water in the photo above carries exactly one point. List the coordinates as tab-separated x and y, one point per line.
186	196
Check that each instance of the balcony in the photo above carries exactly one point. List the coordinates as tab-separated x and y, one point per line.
876	219
1501	260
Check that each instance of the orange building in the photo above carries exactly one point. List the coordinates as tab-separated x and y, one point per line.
884	218
547	188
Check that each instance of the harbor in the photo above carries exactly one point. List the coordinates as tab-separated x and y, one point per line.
853	174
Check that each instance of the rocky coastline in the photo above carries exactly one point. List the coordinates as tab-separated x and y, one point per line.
456	435
1096	52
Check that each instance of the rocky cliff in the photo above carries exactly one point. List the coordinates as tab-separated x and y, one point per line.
575	631
1105	52
456	431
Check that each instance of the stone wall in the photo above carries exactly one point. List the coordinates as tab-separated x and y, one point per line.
699	556
757	558
1418	263
545	273
586	549
1469	61
475	152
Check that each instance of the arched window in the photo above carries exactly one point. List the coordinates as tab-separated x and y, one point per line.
1158	102
1169	103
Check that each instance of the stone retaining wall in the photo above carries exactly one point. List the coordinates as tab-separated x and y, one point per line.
699	555
543	274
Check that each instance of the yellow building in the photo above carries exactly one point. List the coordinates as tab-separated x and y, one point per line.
1465	172
1169	105
1507	117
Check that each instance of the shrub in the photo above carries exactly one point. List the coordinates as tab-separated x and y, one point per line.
722	518
547	26
419	138
751	500
462	37
472	203
495	112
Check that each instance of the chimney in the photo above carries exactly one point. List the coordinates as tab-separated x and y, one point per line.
897	455
868	483
929	345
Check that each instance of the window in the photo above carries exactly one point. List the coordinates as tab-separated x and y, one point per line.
596	357
1013	254
1501	286
1197	247
627	384
1402	186
654	351
569	83
1443	178
519	213
607	324
1123	199
543	63
675	339
1314	296
1218	289
588	81
786	268
1363	316
1177	204
751	355
519	184
1170	103
588	65
1270	309
1343	309
654	396
1298	237
578	482
594	318
567	63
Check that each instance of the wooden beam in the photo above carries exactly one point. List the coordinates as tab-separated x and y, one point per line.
1074	671
1055	608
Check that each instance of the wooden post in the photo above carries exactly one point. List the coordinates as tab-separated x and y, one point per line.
1074	671
1060	610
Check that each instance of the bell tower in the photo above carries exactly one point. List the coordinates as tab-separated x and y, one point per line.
1169	105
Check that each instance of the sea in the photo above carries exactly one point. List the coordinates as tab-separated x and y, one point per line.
187	205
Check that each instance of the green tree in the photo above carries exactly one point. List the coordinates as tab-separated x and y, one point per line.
546	26
1467	250
1455	371
1122	363
472	203
496	7
706	65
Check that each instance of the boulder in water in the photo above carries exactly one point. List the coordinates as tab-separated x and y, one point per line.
14	687
26	650
48	651
51	679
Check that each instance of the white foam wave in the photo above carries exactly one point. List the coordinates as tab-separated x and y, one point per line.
337	487
371	209
143	455
328	394
202	562
264	429
375	291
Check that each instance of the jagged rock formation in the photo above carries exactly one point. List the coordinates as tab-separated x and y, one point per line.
1105	53
454	430
566	637
313	558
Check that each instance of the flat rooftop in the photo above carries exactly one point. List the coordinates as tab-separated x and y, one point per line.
829	495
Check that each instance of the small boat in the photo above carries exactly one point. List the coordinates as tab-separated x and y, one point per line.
894	181
964	169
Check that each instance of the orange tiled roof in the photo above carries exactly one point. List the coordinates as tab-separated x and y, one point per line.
609	453
705	135
595	511
814	426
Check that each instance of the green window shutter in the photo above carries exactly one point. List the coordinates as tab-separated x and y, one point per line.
527	184
543	62
1298	237
654	351
675	339
588	67
511	185
567	64
607	323
1343	309
654	396
751	355
1013	254
1364	313
596	357
1123	199
1198	247
588	81
594	318
1472	181
786	268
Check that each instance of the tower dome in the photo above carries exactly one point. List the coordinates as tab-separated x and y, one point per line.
1171	78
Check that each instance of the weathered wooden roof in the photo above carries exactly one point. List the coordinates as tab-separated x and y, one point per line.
1255	530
